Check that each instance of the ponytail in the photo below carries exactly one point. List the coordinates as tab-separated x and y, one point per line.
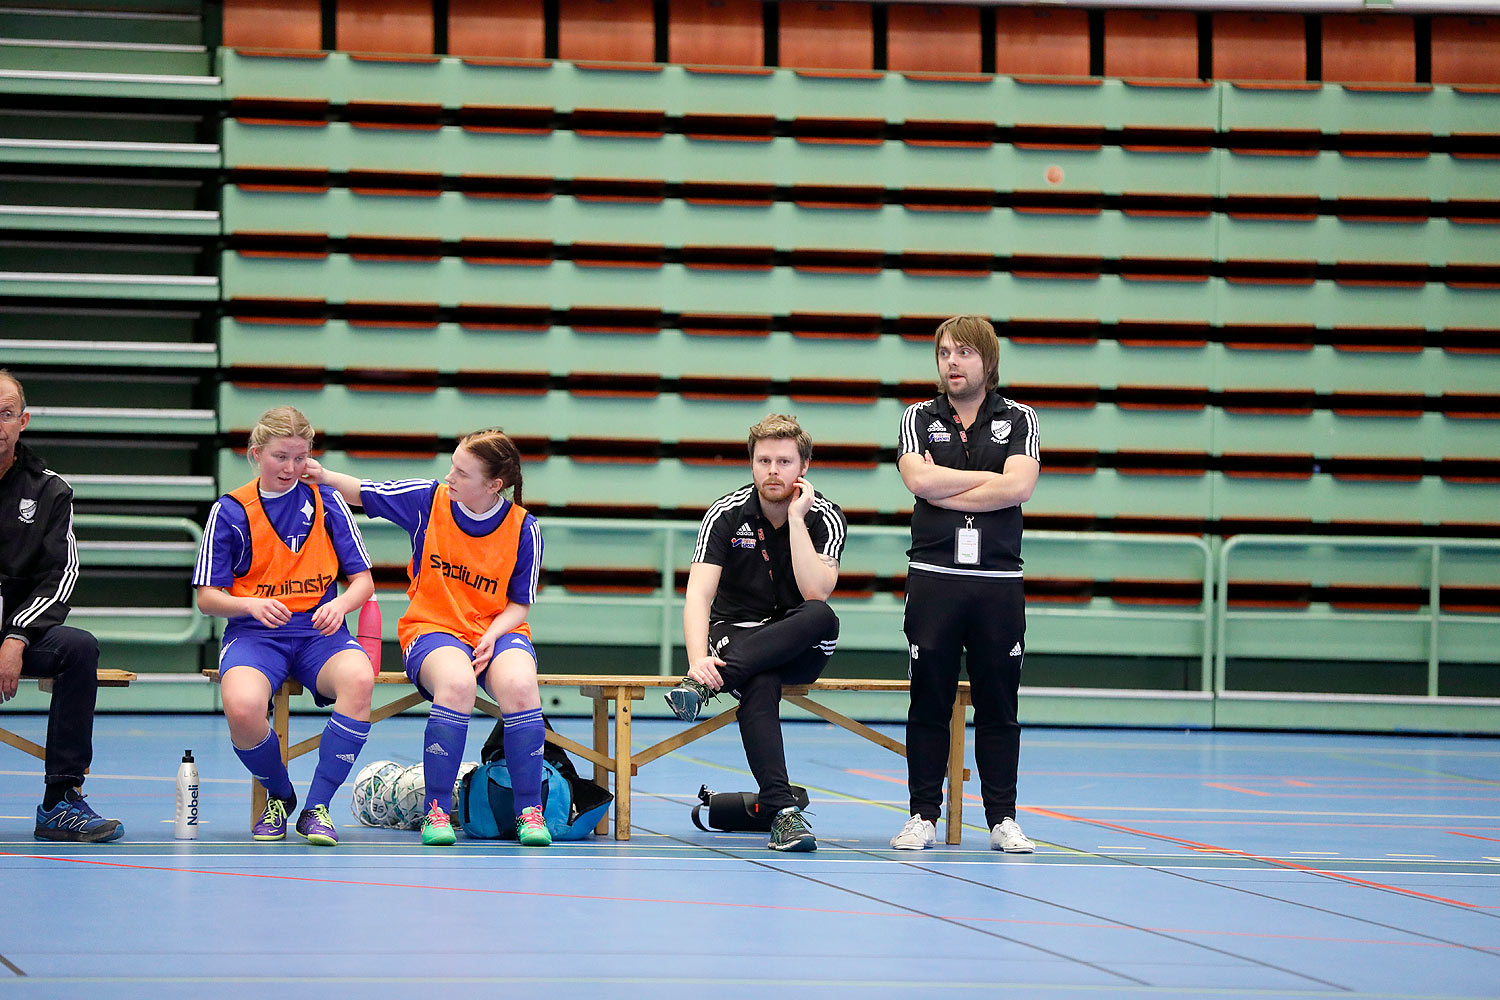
499	456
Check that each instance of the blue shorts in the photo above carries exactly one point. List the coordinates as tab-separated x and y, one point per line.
279	657
428	641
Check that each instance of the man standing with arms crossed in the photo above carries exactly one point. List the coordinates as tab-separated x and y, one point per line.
756	614
970	457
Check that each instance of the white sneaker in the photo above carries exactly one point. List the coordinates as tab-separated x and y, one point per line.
918	834
1007	837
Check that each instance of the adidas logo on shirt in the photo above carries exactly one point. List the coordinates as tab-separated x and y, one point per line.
1015	650
745	532
437	750
347	758
936	425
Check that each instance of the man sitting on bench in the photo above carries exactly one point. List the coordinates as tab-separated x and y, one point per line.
38	567
756	615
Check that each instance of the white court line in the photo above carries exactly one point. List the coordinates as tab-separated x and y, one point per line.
676	797
566	853
167	779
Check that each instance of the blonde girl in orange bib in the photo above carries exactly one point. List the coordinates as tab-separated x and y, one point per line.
271	553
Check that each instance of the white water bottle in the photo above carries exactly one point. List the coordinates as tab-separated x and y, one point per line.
187	798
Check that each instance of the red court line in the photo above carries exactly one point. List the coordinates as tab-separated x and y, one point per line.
1276	862
1278	822
464	888
1305	781
877	776
1384	796
1380	780
1233	788
1475	836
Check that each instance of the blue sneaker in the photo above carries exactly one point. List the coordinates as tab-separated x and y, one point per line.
73	820
688	698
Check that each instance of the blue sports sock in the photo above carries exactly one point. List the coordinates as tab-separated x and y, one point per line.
443	750
263	761
524	736
343	739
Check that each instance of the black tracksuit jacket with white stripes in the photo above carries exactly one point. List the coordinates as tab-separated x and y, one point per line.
1002	428
756	583
38	554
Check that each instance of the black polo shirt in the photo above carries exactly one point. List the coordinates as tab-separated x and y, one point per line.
1001	429
756	581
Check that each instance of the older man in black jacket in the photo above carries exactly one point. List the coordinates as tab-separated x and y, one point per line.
38	567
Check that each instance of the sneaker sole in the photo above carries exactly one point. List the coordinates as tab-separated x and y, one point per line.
804	846
439	841
536	842
911	847
319	839
683	711
63	836
266	838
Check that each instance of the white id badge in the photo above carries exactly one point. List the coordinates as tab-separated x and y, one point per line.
966	546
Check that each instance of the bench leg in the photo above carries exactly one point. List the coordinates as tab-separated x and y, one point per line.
601	745
281	703
956	773
623	764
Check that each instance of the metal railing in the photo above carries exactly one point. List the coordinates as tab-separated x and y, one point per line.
1432	618
667	605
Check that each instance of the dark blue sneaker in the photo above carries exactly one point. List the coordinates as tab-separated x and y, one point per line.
73	820
688	698
791	832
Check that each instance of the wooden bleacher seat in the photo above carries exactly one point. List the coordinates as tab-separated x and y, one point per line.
720	33
510	29
932	38
1466	51
606	31
273	24
1041	42
1369	49
819	35
1259	46
385	26
1151	45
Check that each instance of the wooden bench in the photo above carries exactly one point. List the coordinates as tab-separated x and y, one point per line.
108	678
615	695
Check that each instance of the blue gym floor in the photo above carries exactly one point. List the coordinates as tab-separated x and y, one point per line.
1168	864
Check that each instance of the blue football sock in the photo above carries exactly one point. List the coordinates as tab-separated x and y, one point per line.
343	739
443	751
524	735
263	761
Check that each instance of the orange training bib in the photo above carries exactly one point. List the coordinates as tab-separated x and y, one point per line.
460	585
